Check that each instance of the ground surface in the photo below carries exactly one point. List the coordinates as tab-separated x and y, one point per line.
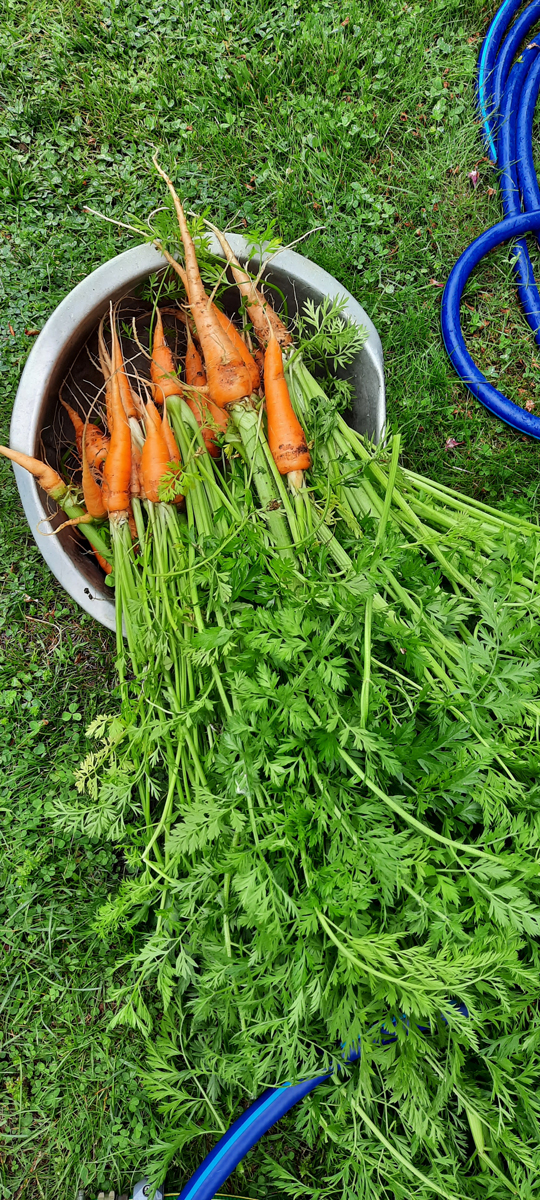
358	117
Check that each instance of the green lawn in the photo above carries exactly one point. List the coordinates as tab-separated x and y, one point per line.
357	117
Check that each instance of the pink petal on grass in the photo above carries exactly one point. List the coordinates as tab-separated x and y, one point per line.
451	444
474	177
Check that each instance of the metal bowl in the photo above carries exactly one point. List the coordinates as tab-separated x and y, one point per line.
67	330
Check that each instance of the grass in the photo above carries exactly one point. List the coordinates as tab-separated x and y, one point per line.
358	117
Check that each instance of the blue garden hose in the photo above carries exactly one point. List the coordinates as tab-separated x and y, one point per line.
487	65
262	1114
507	96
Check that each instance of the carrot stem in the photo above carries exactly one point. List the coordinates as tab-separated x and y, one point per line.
246	421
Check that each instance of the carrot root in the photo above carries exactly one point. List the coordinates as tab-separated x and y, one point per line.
210	418
117	469
286	437
260	311
46	476
105	566
93	496
228	376
162	366
85	519
155	455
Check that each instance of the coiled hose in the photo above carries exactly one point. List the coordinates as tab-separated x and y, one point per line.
507	95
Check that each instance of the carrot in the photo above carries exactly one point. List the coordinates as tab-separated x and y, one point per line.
85	518
97	445
105	364
259	359
163	428
174	453
123	381
46	476
96	442
132	524
260	311
286	437
155	455
162	366
76	421
228	376
195	372
93	498
238	341
135	480
208	415
105	566
117	469
230	329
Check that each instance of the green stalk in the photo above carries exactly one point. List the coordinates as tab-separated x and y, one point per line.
125	586
281	488
366	678
410	819
364	696
245	419
139	520
92	531
459	501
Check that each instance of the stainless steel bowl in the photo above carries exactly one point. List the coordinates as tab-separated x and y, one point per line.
67	330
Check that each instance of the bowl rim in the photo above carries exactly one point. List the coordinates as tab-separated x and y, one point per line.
67	327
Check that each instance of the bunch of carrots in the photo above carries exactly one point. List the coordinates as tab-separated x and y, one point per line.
223	381
362	609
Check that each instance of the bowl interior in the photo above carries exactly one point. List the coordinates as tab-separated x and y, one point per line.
68	356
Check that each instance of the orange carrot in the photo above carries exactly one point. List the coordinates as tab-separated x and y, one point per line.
195	372
105	566
135	480
259	359
260	311
84	518
123	381
105	364
208	415
76	421
230	329
155	455
238	341
117	469
96	442
286	437
48	479
174	453
93	498
228	376
132	525
162	366
97	445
